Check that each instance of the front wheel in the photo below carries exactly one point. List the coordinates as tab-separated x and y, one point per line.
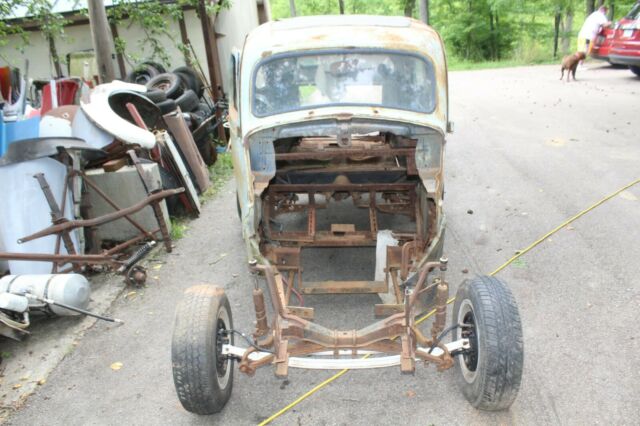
203	377
489	373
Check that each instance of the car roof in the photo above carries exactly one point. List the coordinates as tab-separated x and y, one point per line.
331	32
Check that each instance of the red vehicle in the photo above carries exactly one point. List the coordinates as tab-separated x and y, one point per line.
602	44
625	49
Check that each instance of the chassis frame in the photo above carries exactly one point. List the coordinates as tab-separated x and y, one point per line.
291	335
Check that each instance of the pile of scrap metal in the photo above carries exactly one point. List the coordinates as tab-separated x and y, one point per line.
87	187
183	92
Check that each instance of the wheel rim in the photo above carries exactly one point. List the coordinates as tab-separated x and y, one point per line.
223	369
470	360
163	85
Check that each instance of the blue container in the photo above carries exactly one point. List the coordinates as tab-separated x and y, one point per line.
13	131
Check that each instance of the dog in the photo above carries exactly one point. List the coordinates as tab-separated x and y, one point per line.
570	63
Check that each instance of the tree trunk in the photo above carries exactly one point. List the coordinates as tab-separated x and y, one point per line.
54	56
493	36
498	52
612	9
341	5
590	6
566	35
409	5
101	36
424	11
556	33
292	8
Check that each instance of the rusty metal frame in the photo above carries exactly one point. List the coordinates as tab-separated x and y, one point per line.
336	237
292	335
63	227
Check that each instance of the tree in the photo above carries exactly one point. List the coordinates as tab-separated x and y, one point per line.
102	40
51	25
409	5
424	11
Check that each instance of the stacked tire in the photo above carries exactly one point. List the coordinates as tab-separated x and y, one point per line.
180	88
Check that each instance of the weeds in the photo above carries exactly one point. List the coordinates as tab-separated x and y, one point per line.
179	227
219	174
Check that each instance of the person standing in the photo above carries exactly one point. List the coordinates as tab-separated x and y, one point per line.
590	29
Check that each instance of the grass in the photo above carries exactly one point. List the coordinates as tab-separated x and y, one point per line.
179	227
219	174
455	64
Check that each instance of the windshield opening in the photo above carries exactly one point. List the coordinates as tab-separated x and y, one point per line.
358	78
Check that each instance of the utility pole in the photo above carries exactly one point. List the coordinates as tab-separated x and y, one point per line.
101	36
292	8
424	11
341	4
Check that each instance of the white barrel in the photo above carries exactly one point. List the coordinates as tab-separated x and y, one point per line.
25	211
70	289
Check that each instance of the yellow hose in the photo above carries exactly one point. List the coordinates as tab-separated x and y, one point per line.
429	314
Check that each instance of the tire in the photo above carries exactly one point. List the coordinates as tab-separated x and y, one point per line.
168	83
188	101
203	384
635	69
196	120
167	106
156	96
489	375
191	79
205	109
207	151
168	180
157	66
143	73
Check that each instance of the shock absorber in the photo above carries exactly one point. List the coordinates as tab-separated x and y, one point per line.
442	293
262	327
261	314
137	256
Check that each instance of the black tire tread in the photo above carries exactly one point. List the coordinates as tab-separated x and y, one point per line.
193	361
156	96
499	320
175	88
188	101
192	80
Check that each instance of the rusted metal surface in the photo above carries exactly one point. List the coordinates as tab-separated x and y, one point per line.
81	259
375	160
295	335
112	258
157	210
84	223
344	287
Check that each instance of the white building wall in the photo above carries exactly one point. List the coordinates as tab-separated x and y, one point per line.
233	24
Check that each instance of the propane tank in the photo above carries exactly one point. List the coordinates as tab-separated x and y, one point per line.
70	289
14	302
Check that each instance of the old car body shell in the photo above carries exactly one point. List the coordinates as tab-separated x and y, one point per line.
308	34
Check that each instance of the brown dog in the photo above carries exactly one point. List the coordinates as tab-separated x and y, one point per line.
570	63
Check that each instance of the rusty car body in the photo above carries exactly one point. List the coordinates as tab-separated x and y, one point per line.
348	111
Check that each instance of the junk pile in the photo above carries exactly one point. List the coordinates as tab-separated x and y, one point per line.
90	175
182	92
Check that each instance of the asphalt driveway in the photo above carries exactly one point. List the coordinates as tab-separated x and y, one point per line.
529	151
